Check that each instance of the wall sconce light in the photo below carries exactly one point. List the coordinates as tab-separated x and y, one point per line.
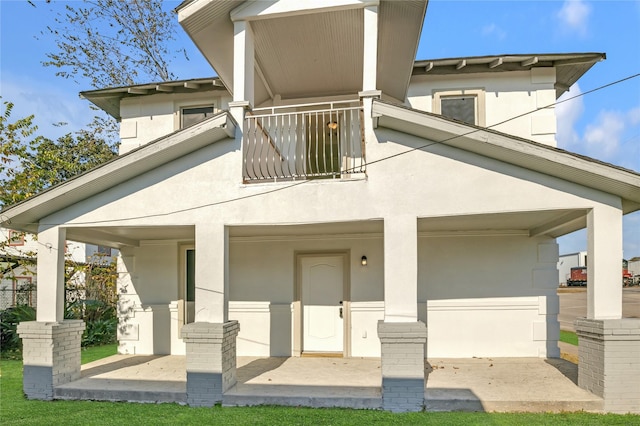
363	260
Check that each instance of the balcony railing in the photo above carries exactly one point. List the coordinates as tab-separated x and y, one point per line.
310	141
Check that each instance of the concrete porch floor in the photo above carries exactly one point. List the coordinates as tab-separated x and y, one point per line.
478	384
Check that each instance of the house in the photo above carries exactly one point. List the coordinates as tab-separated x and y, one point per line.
323	202
18	252
568	261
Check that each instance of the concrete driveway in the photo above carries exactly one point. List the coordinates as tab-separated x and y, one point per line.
573	304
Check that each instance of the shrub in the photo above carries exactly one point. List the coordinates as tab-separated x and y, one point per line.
9	320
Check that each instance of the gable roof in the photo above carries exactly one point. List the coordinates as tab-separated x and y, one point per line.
569	66
118	170
511	149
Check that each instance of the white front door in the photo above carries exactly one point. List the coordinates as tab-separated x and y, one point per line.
322	294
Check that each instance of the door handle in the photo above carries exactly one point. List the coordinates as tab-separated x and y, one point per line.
341	309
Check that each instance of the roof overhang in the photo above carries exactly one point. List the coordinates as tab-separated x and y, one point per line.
109	99
569	66
304	49
524	153
25	216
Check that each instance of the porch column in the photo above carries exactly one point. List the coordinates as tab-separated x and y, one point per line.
50	269
401	334
243	62
370	52
609	345
211	340
50	345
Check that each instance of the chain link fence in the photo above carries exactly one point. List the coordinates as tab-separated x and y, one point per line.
10	297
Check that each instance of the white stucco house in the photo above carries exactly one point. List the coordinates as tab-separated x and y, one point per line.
322	205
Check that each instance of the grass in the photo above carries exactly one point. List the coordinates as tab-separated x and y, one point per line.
16	410
569	337
98	352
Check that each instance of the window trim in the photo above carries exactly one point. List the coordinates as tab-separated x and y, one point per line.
180	107
479	95
18	241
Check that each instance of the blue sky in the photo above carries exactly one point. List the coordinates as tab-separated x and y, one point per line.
604	125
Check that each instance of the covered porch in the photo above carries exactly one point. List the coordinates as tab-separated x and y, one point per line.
480	384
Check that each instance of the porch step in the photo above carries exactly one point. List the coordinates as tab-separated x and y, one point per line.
129	393
315	396
460	403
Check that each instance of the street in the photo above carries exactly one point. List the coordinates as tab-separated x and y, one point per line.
573	304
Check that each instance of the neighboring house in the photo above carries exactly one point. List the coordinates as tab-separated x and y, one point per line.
324	202
18	273
568	261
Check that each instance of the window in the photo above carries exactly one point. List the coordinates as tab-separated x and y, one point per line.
193	115
104	250
463	105
16	238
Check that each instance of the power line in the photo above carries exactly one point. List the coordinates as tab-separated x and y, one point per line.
298	183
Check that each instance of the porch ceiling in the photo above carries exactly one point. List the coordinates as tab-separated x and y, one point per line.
553	223
123	236
310	54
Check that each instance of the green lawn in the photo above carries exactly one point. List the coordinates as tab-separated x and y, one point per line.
16	410
569	337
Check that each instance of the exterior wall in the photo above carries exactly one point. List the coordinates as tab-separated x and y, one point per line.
147	299
568	261
507	94
503	291
150	117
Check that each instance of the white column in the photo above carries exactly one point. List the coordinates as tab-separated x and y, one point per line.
243	62
370	53
50	295
401	269
604	263
212	273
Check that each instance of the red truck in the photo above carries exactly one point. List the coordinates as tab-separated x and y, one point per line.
578	276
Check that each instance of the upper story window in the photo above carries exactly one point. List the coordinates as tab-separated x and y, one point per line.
104	250
193	115
464	105
16	238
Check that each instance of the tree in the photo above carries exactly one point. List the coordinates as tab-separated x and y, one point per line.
30	164
113	42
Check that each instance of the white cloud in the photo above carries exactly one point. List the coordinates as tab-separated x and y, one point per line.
495	31
602	138
634	114
49	104
567	114
574	16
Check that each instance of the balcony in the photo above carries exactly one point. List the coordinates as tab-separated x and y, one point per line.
310	141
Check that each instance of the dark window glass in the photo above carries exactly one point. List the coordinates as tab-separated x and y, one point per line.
461	108
191	116
191	275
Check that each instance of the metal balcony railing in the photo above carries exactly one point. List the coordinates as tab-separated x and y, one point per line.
310	141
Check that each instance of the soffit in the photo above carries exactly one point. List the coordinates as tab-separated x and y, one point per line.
311	54
109	99
569	66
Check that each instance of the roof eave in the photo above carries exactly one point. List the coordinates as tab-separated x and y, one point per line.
24	216
524	153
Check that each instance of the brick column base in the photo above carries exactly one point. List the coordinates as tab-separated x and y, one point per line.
609	364
403	379
50	354
211	361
